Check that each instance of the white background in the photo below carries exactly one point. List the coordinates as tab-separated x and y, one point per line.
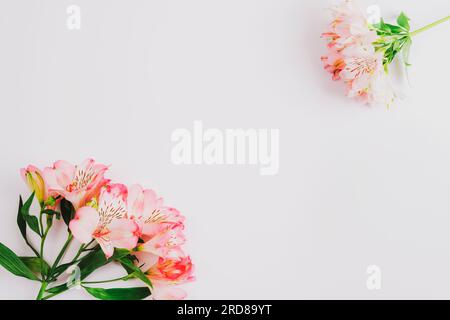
357	186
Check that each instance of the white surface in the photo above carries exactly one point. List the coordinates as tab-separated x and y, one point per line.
357	186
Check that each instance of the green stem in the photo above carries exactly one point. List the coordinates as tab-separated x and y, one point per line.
32	248
44	236
42	290
79	252
61	254
428	27
85	248
53	294
87	282
41	224
107	281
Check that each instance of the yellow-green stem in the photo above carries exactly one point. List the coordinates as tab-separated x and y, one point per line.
428	27
60	255
44	236
42	290
108	281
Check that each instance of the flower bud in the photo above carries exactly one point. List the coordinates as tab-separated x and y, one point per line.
34	180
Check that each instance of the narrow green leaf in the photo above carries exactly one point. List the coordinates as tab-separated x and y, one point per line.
11	262
136	293
57	289
403	21
395	29
25	209
63	267
49	221
96	259
406	51
67	211
135	270
132	259
22	224
93	260
31	221
120	253
383	26
89	263
21	221
34	264
51	212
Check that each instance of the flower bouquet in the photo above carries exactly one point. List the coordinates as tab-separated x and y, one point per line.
112	223
360	53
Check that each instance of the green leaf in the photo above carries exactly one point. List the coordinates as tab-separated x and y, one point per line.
124	265
25	209
63	267
406	50
34	264
23	226
51	212
395	29
383	26
93	260
11	262
49	221
89	263
57	289
67	211
136	293
403	21
96	259
135	270
21	221
388	30
120	253
31	221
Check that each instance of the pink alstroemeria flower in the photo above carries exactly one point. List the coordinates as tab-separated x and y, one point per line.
34	178
160	226
175	270
165	274
108	222
352	58
76	183
165	244
149	211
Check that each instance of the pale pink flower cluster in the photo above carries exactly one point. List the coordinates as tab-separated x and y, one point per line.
119	217
352	58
